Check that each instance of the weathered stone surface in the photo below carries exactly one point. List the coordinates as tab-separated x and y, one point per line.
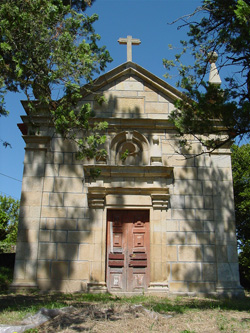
63	241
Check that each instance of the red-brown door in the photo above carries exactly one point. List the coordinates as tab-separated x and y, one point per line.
128	250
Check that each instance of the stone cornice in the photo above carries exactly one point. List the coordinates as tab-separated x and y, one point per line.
140	171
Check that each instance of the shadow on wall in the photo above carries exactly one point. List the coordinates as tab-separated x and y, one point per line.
201	233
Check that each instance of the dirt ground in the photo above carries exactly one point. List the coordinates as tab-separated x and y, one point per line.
135	318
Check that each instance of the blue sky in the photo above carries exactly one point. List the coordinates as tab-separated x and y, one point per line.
147	20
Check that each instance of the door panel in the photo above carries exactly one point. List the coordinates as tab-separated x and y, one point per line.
128	250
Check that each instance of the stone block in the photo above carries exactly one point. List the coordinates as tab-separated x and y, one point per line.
33	170
176	160
62	285
25	235
232	254
202	287
177	201
221	161
59	145
150	96
51	170
98	252
207	187
221	252
191	225
205	238
208	272
67	251
194	201
170	225
44	235
191	238
58	236
204	173
180	214
66	224
209	253
54	212
130	86
190	253
19	272
157	237
59	270
31	198
43	269
208	202
98	237
33	184
174	238
77	213
186	272
185	187
178	287
156	107
79	270
58	158
63	184
50	223
204	214
75	200
75	171
169	253
45	199
86	252
30	269
97	271
47	251
157	271
84	224
26	250
80	237
56	199
31	223
185	173
225	272
156	253
48	184
68	158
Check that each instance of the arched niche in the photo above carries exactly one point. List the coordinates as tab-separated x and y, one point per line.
133	145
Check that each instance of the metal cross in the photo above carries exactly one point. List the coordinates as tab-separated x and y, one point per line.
129	41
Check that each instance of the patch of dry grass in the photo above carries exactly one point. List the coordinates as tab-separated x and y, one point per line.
107	313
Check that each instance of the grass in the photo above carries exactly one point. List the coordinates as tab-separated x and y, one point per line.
14	307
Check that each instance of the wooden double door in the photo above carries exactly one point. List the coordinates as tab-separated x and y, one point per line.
128	266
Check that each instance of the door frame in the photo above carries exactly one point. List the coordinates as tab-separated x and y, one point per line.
129	270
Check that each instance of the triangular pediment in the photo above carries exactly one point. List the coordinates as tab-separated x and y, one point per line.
132	92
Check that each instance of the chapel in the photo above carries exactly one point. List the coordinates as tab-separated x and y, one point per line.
160	221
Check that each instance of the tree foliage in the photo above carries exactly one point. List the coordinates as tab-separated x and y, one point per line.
48	49
241	179
208	108
9	213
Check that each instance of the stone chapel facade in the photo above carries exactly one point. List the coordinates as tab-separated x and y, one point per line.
156	223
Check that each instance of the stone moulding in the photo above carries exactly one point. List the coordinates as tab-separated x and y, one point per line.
142	171
97	195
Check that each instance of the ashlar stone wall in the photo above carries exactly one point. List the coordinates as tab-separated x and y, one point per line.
62	229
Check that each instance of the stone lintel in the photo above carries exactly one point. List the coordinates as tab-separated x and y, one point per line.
97	195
